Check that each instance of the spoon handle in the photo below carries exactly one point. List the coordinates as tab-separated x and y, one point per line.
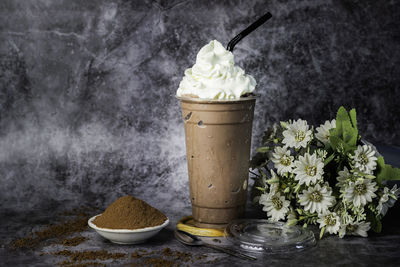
231	252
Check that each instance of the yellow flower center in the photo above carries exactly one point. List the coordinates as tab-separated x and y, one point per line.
285	160
360	189
363	159
299	136
276	202
330	220
315	196
351	227
311	170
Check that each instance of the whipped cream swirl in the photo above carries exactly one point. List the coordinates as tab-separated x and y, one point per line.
215	76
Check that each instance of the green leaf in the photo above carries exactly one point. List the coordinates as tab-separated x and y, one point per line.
297	188
376	224
299	211
347	131
386	172
381	170
392	173
341	117
263	149
321	234
350	134
345	135
336	142
284	124
273	181
287	190
353	117
329	159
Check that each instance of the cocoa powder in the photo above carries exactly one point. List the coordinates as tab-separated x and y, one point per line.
74	241
157	258
78	256
85	264
52	231
131	213
158	262
177	255
165	258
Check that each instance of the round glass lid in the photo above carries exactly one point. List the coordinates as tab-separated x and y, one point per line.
263	236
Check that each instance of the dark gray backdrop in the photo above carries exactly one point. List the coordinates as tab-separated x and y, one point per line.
87	107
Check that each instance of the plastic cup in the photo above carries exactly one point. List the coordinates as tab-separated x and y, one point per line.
218	141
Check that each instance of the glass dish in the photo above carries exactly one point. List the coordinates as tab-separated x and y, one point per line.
262	236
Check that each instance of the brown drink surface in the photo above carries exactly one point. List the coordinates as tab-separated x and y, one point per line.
131	213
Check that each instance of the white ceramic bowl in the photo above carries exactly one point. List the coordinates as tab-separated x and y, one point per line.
126	236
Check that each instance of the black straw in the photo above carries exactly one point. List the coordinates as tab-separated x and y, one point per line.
248	30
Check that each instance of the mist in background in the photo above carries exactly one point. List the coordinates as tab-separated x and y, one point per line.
87	106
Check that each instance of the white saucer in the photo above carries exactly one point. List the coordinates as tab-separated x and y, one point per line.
126	236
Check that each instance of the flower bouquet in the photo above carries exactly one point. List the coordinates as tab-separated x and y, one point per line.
328	176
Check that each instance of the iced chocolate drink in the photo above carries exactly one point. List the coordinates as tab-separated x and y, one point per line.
218	125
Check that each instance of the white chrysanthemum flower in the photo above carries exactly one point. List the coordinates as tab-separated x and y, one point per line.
297	134
275	205
354	228
323	131
343	177
309	169
282	159
331	222
317	199
360	192
364	159
388	199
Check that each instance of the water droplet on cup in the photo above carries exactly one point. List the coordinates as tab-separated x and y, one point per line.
187	117
236	190
245	184
201	124
245	118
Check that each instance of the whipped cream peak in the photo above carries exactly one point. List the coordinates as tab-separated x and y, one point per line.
215	76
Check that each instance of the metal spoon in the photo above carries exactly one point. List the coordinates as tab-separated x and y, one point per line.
191	240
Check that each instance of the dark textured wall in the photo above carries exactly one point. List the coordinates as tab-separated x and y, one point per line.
87	111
